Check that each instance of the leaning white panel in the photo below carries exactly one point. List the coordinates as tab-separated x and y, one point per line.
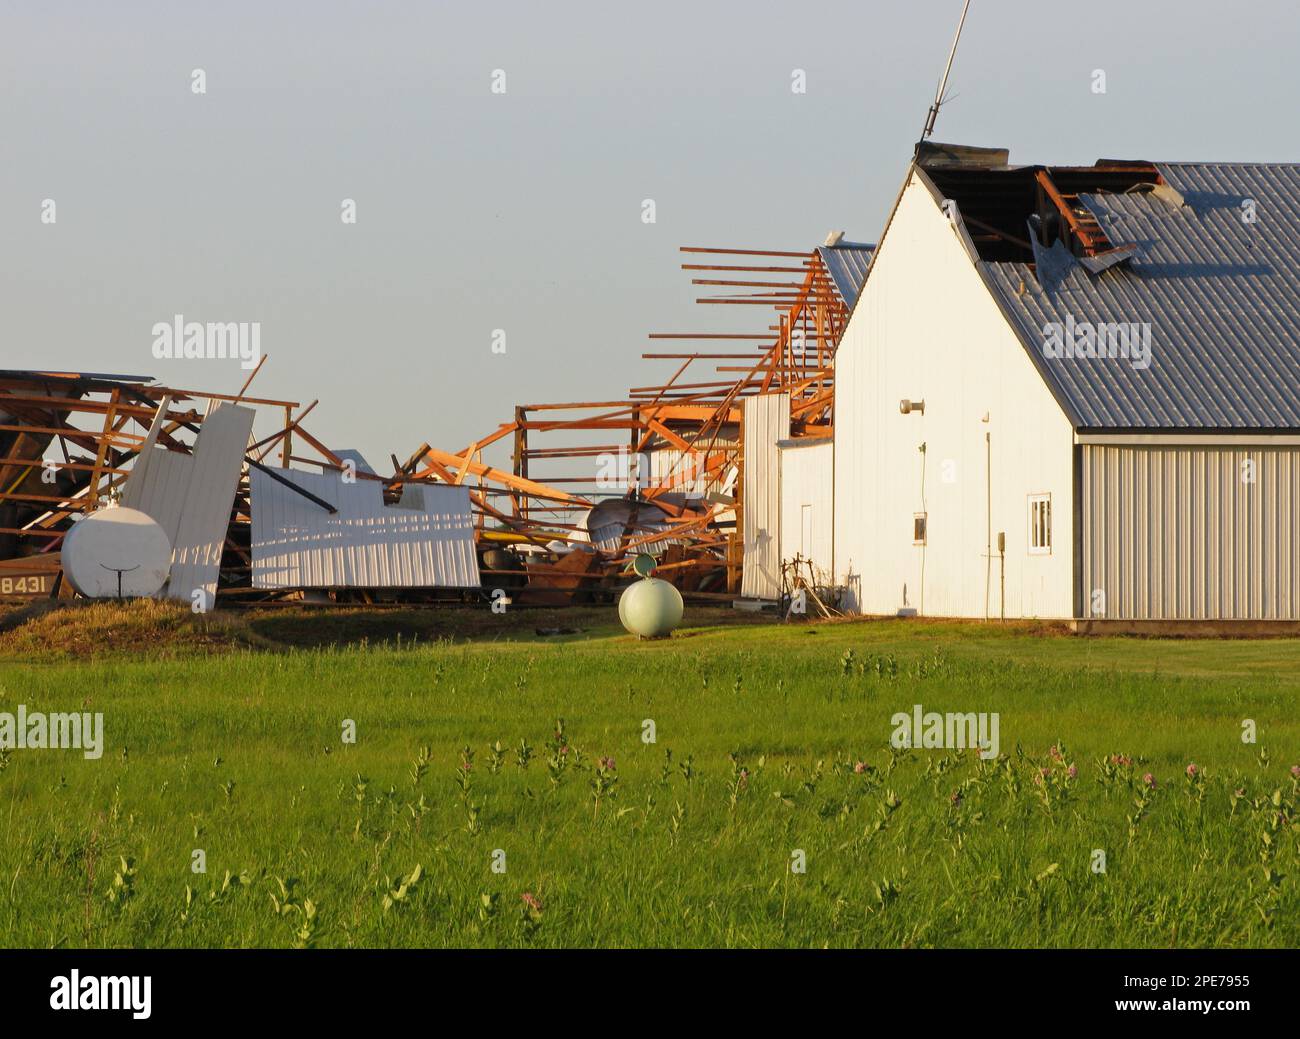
190	496
424	541
767	422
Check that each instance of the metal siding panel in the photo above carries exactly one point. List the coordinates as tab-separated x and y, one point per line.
665	464
425	541
766	421
217	461
806	480
1090	534
1219	548
157	486
191	497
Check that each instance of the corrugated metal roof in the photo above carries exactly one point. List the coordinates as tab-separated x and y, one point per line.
425	541
847	264
608	523
1220	295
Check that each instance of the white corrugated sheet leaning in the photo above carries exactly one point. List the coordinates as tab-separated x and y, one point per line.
426	540
190	496
767	423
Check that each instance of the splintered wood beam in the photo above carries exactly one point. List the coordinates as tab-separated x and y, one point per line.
82	438
92	490
710	471
652	422
685	386
702	357
503	430
796	370
441	471
24	532
667	400
511	522
742	269
723	302
1022	242
793	286
712	335
586	451
746	252
70	404
576	406
325	452
748	301
587	424
530	487
81	467
466	459
200	395
410	464
275	437
48	498
658	427
251	376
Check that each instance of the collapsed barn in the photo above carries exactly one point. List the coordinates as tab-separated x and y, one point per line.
1047	392
286	518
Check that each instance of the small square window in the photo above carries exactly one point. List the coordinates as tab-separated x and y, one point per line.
1040	524
918	528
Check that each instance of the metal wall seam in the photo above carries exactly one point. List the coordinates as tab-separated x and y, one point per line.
1177	533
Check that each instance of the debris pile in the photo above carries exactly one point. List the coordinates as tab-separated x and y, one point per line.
285	518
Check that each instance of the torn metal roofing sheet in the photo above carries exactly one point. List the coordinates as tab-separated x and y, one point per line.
28	374
424	541
847	265
1218	292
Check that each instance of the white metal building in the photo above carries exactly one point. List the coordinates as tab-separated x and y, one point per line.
190	495
806	470
1074	392
787	487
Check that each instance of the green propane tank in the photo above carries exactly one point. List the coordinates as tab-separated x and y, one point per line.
650	608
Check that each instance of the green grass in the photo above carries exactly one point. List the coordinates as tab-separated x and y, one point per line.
224	734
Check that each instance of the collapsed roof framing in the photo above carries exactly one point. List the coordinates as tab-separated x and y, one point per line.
1010	209
693	426
69	441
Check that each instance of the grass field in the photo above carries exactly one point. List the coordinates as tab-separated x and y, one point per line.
772	751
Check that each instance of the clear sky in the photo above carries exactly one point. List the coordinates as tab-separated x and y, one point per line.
522	210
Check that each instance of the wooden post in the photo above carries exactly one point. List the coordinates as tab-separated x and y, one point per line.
101	453
635	445
286	445
521	454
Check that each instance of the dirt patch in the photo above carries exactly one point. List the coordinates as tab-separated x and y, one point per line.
145	627
87	629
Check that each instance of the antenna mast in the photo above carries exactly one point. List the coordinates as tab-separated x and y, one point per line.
943	83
